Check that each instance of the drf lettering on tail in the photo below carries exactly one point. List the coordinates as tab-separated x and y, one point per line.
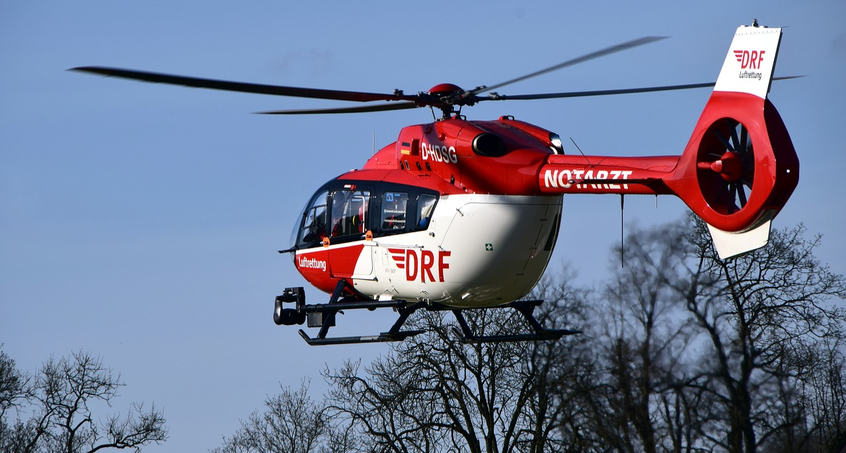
750	59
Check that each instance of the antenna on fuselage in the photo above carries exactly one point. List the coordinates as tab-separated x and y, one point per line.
580	152
622	230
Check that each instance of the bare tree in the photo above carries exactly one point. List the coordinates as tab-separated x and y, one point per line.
432	393
60	398
694	353
819	396
755	311
13	384
644	349
15	434
291	423
567	371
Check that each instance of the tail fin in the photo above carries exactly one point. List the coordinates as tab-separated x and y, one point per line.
739	167
750	62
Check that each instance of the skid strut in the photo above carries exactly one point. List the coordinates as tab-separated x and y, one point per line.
526	308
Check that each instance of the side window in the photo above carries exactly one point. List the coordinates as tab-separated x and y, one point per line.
425	206
314	220
393	211
349	212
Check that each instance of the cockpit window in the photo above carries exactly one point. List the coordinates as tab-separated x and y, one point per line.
349	212
393	211
425	206
314	219
344	211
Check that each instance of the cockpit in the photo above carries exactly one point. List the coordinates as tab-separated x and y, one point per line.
344	211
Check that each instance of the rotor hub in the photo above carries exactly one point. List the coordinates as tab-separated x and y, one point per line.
446	90
729	166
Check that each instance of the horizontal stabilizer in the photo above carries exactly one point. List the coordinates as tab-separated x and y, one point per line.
729	244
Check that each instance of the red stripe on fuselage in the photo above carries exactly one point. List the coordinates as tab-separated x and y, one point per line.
323	267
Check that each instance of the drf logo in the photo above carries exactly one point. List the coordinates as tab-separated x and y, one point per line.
749	60
421	264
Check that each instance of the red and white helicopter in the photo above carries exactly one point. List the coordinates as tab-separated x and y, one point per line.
459	215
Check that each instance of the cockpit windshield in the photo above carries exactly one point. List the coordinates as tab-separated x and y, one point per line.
313	227
341	211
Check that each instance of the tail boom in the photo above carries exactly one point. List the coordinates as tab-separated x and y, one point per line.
606	175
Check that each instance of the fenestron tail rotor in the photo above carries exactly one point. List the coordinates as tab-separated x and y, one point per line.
726	166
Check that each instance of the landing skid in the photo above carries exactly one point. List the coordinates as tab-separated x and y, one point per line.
383	337
323	316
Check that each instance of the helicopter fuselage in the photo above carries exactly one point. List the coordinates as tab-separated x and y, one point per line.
450	213
477	250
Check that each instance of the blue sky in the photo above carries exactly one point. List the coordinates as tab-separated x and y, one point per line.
141	222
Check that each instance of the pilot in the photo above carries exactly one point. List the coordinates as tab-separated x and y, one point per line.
317	229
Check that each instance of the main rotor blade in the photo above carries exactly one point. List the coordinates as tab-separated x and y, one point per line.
241	87
576	94
582	59
363	109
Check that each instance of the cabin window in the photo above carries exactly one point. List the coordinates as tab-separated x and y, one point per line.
393	211
349	212
314	219
425	206
344	213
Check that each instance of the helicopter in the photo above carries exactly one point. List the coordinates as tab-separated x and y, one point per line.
461	214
